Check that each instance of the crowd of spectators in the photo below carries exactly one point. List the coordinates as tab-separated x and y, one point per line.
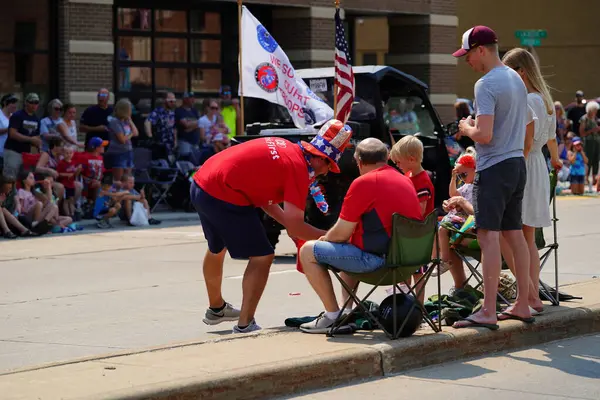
55	171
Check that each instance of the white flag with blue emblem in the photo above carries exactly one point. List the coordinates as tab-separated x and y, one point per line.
268	74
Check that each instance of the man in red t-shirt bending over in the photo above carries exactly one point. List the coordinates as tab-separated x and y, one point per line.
360	238
261	173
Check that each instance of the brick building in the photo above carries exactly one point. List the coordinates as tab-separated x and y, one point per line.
140	48
570	54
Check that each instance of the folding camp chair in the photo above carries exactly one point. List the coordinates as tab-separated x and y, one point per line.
158	179
472	251
411	246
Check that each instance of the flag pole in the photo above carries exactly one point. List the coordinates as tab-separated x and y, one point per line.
335	88
240	69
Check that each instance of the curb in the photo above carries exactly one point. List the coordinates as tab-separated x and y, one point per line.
379	360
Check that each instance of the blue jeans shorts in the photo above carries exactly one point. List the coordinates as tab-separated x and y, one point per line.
346	257
119	160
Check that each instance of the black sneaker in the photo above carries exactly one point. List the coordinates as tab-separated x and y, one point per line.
153	221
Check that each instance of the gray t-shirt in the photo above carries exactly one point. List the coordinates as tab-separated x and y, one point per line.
502	93
117	126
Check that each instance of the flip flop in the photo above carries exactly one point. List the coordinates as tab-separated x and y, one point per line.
475	324
515	317
535	312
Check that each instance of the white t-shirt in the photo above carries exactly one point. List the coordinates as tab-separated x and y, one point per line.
72	130
3	125
205	123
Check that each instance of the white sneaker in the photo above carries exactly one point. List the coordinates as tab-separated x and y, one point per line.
320	325
252	327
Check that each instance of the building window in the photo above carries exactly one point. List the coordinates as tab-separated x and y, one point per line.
162	50
24	50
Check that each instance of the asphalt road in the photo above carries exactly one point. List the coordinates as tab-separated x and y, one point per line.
564	370
64	297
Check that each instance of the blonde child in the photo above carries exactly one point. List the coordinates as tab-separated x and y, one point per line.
407	154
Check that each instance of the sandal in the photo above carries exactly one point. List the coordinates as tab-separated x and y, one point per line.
9	235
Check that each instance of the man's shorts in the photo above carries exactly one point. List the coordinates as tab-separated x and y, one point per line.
577	179
69	193
498	195
119	160
225	225
347	257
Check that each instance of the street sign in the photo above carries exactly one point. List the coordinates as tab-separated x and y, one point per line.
532	34
531	42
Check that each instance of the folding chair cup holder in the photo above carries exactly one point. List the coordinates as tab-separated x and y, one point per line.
411	247
472	252
154	177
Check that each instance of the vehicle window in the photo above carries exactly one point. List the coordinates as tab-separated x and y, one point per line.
408	115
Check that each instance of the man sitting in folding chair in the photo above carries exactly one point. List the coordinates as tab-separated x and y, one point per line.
359	240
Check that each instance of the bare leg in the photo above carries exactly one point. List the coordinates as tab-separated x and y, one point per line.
491	263
3	224
128	206
419	287
444	239
213	277
516	241
457	271
351	282
112	212
534	269
78	190
508	255
253	285
36	213
117	174
318	277
12	221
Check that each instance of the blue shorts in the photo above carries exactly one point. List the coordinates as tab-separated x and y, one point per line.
228	226
577	179
346	257
119	160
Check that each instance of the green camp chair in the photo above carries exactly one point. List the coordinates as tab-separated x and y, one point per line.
466	247
411	247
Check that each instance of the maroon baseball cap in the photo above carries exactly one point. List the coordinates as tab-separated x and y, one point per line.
477	36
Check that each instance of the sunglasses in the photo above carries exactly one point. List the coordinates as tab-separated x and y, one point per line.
214	108
34	102
102	95
226	93
57	108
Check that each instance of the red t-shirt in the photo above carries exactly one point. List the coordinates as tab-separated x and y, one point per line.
259	172
93	165
372	200
424	188
65	167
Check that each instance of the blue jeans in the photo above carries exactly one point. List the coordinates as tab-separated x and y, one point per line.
346	257
119	160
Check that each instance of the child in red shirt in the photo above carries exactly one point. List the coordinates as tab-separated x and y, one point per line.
68	171
93	168
407	154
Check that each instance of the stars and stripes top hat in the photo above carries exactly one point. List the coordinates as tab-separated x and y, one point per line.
330	142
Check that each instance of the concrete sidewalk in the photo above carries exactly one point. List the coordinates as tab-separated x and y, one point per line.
277	362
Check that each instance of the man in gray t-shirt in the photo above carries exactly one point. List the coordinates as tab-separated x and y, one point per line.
499	135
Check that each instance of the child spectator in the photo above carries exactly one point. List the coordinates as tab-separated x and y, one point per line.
68	172
31	207
7	218
44	193
578	160
93	169
407	154
130	197
459	207
107	204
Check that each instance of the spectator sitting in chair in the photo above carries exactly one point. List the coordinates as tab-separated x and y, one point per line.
407	154
68	174
131	196
48	163
359	240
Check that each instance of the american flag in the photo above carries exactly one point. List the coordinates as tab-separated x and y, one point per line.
344	77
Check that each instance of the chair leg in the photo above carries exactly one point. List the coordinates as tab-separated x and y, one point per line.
425	279
360	305
162	198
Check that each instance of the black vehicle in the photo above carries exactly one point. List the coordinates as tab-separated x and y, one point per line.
388	103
